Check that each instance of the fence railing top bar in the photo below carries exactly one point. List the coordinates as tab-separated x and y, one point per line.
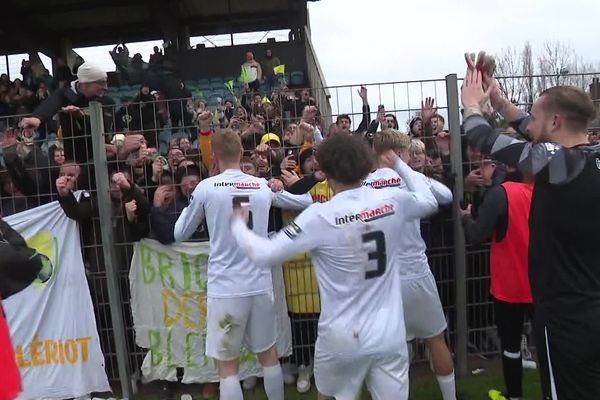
592	74
388	83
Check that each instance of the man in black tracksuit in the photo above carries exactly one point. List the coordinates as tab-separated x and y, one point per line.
564	254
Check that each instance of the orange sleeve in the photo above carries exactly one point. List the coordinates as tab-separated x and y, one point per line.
205	144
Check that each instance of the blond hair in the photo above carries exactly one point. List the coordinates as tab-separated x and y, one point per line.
390	139
417	146
227	145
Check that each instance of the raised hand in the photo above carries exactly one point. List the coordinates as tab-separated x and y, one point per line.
121	181
9	138
275	184
320	176
64	186
362	92
306	131
388	158
30	123
157	167
162	196
289	177
132	142
428	109
204	119
130	210
288	163
472	94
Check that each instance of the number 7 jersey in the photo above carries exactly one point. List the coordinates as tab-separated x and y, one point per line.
350	238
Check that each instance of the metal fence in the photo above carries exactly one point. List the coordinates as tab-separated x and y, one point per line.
461	271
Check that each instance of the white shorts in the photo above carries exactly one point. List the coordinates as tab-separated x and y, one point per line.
230	321
386	376
423	314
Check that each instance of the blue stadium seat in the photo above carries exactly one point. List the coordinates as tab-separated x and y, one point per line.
217	86
204	86
297	78
189	83
229	78
203	82
216	81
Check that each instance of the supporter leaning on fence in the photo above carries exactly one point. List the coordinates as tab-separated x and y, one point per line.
89	86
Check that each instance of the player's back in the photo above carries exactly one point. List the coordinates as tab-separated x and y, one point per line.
410	253
230	272
361	302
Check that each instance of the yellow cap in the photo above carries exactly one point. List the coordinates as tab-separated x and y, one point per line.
268	137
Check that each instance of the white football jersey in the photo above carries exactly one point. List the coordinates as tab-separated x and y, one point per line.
351	239
230	272
410	254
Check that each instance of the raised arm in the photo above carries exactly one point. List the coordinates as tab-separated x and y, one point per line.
300	236
419	201
441	192
191	216
526	156
288	201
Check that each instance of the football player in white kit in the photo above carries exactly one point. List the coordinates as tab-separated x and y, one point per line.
240	303
361	334
423	313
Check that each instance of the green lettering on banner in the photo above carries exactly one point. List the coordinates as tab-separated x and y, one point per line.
165	263
187	271
170	362
148	270
155	353
188	350
200	260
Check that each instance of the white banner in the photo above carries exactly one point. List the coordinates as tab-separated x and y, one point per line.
168	302
52	321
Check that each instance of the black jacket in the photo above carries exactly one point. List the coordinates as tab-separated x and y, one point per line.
30	174
124	232
19	265
76	132
163	219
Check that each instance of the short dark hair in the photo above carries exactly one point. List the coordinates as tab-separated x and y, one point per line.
343	116
345	159
576	106
440	117
189	170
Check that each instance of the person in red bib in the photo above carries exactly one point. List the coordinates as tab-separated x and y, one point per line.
11	379
503	216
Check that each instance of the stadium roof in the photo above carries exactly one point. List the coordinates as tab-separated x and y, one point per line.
29	25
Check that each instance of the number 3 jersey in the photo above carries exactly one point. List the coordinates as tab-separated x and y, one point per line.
350	239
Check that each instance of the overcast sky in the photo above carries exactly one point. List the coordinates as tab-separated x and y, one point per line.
391	40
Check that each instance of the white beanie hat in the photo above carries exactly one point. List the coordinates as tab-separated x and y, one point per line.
90	73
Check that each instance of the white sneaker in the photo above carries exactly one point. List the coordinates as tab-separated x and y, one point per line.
249	383
288	373
304	375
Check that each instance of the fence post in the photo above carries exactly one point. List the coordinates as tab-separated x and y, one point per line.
460	258
108	246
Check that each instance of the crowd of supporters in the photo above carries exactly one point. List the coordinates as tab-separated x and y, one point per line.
159	149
